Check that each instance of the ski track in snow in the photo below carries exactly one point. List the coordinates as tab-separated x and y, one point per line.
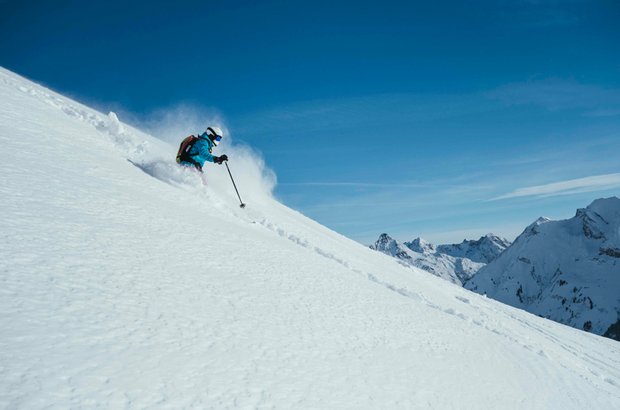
111	298
451	311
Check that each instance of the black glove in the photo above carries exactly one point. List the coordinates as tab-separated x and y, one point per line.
219	160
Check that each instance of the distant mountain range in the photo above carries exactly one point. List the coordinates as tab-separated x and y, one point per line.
456	263
567	271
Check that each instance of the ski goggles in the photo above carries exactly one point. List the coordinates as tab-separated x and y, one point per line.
218	138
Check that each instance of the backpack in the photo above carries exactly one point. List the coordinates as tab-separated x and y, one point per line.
186	146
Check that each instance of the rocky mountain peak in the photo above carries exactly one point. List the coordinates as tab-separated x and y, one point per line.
533	228
384	239
420	245
598	221
390	246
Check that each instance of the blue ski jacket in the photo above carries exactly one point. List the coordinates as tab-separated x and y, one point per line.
201	151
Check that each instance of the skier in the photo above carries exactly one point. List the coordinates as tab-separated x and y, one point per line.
195	151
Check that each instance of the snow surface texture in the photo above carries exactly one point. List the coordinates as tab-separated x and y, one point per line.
133	286
567	271
455	263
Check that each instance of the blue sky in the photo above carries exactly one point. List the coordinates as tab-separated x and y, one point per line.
445	120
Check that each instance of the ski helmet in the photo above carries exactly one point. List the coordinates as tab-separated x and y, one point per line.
214	134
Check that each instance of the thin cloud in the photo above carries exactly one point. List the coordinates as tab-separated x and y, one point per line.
543	14
571	186
609	112
557	94
346	114
354	185
586	145
455	185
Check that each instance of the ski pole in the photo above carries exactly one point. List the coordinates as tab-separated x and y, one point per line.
235	185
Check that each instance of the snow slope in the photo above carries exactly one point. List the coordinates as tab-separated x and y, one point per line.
568	271
133	286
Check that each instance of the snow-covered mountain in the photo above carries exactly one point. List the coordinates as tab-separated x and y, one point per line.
456	263
126	283
567	271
